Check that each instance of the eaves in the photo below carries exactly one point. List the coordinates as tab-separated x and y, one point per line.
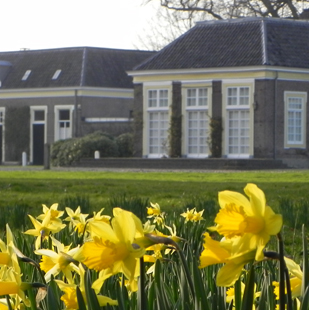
66	92
183	72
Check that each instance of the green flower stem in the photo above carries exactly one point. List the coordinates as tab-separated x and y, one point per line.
32	299
142	300
237	289
8	302
305	262
168	241
283	275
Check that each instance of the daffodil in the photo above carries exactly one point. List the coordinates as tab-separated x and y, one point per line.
7	254
70	298
75	217
60	261
3	304
156	248
295	280
55	214
192	215
188	215
99	217
154	212
250	218
230	293
226	252
42	230
11	284
112	248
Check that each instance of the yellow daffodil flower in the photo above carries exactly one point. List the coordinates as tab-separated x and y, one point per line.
230	293
7	254
42	230
223	252
192	215
295	280
251	219
132	286
70	299
99	217
112	248
55	214
153	210
156	248
189	215
11	284
3	304
62	260
75	217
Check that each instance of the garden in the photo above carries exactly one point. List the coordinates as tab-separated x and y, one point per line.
75	239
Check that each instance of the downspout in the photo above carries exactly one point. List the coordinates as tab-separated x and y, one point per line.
75	114
275	115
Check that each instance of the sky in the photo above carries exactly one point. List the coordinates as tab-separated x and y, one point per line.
43	24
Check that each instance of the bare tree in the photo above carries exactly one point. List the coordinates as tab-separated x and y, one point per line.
174	17
166	26
222	9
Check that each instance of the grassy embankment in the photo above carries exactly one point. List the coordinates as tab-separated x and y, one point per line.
24	191
169	189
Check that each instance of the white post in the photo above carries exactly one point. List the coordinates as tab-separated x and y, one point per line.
96	155
24	159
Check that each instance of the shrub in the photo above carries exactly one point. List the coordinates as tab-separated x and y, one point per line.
70	151
125	145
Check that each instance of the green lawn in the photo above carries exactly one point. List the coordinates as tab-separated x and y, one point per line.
169	189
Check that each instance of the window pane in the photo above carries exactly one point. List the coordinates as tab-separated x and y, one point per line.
197	132
239	132
64	115
163	100
158	133
191	97
294	120
39	115
152	98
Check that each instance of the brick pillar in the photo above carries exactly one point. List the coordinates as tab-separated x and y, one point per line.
138	120
216	120
175	122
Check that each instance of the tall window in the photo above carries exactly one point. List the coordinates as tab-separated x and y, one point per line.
197	122
238	121
295	120
158	121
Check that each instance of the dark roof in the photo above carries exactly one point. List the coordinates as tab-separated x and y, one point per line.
237	42
80	66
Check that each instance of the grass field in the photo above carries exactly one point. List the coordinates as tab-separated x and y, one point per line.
169	189
23	191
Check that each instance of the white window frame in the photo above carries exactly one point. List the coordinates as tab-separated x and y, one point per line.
192	104
303	97
33	121
2	110
238	106
56	111
157	107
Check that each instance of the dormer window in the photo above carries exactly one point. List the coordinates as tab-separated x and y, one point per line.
56	74
26	75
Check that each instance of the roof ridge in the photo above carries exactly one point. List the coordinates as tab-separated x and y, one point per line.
264	42
82	73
